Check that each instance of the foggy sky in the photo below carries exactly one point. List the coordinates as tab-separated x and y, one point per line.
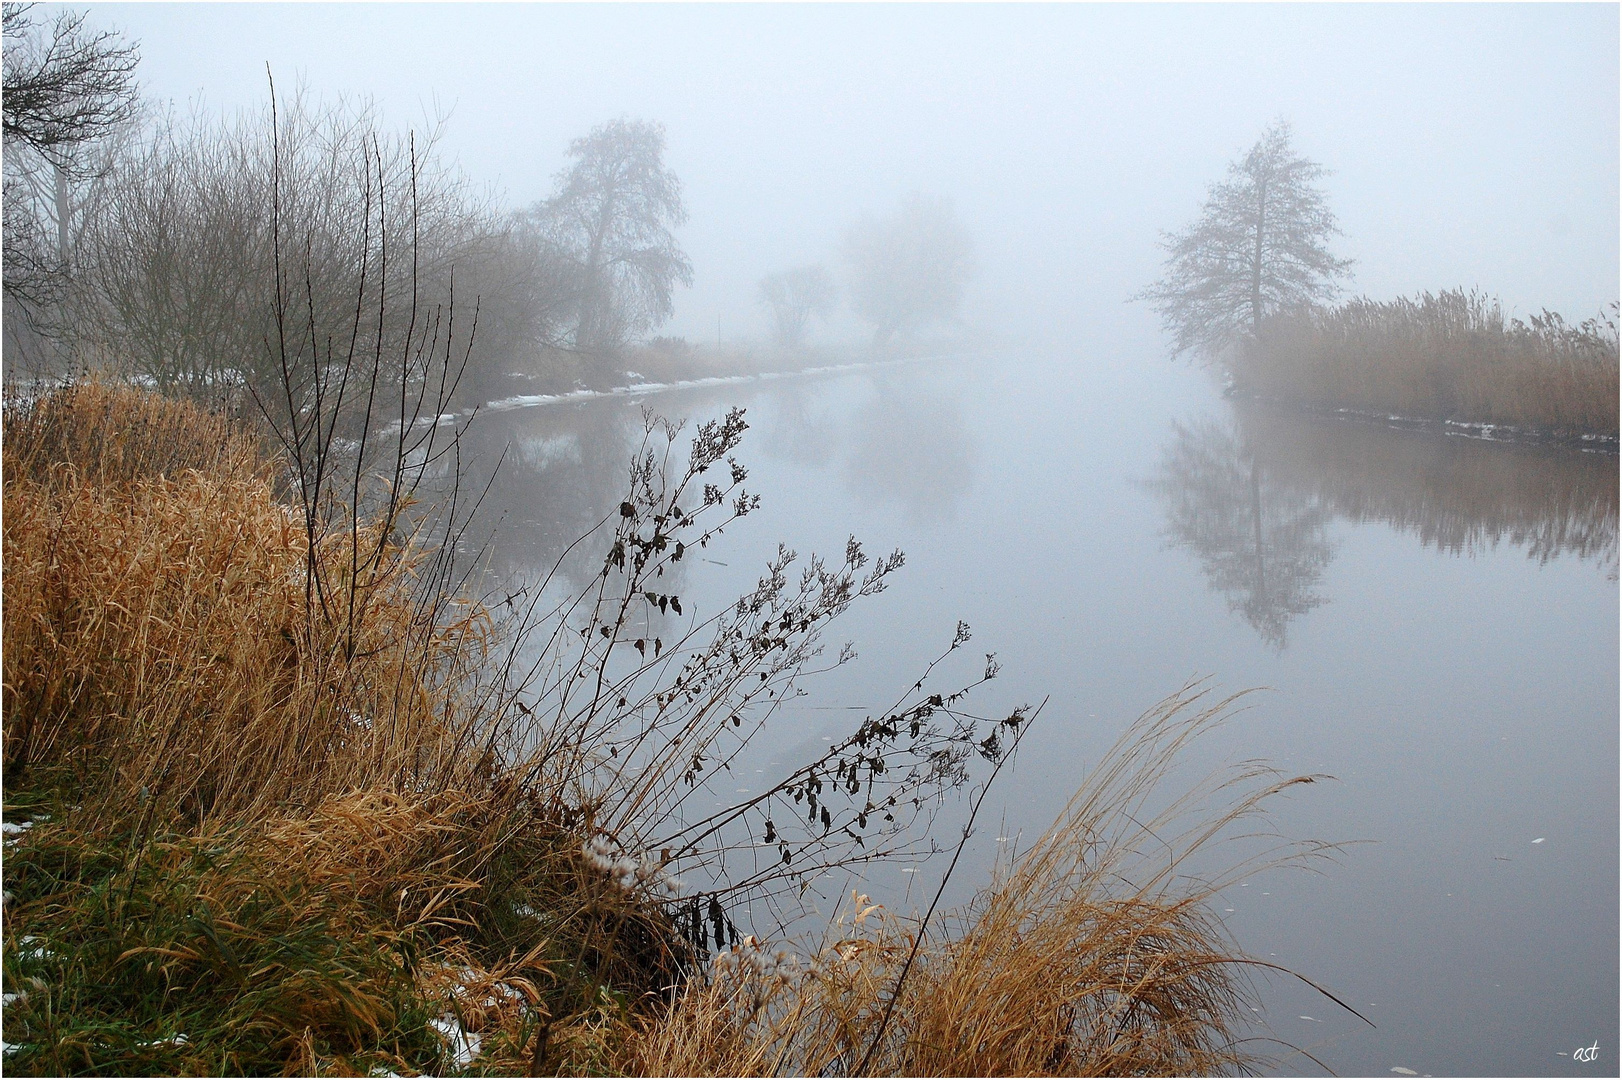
1471	145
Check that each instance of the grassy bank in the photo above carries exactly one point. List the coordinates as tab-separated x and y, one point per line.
252	834
276	802
1445	357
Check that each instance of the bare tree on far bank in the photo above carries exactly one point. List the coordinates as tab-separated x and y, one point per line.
610	220
794	297
908	268
1260	246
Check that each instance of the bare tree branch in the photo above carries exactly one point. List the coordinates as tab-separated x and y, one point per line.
1258	247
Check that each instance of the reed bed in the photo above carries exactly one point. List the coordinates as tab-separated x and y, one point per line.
1449	356
275	804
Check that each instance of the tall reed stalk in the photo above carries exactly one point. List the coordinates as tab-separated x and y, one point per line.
1093	953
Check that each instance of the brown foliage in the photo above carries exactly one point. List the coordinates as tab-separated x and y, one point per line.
158	636
1451	356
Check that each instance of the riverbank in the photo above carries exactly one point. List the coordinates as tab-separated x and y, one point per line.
266	811
676	363
1451	361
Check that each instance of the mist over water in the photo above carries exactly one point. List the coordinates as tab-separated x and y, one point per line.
1433	618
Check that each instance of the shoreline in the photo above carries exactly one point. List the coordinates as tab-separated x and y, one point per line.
1481	431
639	389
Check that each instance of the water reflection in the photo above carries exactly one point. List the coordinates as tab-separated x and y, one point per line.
1253	498
546	477
1456	495
1263	544
890	439
804	430
912	447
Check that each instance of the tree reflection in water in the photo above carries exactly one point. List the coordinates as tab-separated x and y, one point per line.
1261	544
1458	495
1253	498
547	477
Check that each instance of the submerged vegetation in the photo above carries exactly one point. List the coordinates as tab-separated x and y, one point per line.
1449	357
283	798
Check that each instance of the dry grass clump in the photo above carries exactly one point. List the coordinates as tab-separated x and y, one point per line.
265	828
1448	356
209	954
114	435
1094	953
380	930
159	632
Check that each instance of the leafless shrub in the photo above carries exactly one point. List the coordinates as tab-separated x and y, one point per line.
1091	954
179	257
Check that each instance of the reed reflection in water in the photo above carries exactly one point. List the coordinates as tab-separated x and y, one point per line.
1253	497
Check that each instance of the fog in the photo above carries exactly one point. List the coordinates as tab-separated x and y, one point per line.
1470	145
1429	584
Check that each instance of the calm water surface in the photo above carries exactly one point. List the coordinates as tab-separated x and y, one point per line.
1436	619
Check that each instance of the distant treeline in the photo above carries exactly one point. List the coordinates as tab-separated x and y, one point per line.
168	251
162	247
1450	356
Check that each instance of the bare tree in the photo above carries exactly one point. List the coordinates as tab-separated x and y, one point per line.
63	90
1259	246
610	219
73	89
794	296
909	267
178	264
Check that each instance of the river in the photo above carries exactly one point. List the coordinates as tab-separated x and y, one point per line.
1435	619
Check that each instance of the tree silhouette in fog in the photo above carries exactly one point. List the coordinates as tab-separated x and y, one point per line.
66	88
1259	246
1262	544
611	219
793	297
909	267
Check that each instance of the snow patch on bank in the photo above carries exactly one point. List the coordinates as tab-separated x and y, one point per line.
638	389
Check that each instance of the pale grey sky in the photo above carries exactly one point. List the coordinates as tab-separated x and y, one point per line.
1472	145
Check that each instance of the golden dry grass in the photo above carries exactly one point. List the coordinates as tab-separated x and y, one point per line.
228	779
1449	356
1094	954
158	636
